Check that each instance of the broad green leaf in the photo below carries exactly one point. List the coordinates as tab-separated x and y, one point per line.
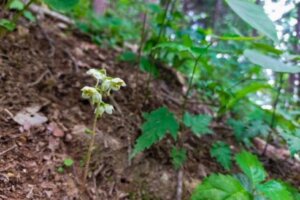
274	190
222	152
199	124
245	181
220	187
268	62
237	38
251	166
62	5
7	24
257	128
293	141
242	93
178	157
255	16
16	5
158	123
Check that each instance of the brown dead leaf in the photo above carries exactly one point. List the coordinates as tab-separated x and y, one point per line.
55	130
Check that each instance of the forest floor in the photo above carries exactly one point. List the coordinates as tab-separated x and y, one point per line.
42	70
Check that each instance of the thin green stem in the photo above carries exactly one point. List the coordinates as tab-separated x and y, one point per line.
185	97
273	119
90	150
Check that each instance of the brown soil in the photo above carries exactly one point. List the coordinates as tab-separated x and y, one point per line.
46	67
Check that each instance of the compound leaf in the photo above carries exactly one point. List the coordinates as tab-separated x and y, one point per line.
178	157
158	123
199	124
274	190
220	187
293	141
251	166
222	152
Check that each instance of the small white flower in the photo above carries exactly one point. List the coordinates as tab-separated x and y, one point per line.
97	74
103	107
92	94
112	84
108	108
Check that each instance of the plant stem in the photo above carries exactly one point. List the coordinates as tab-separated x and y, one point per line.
273	120
89	153
185	97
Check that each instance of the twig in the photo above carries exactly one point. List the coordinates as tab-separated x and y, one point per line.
179	184
9	113
9	149
39	79
50	13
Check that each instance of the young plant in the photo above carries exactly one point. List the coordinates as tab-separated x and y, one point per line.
252	184
103	87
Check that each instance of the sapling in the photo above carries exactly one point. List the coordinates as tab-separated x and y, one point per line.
103	87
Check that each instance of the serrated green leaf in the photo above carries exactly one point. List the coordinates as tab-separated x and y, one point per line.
245	181
68	162
293	141
158	123
220	187
178	157
238	128
268	62
251	166
62	5
199	124
274	190
257	128
222	152
255	16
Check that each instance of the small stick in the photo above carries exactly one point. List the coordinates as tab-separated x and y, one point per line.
39	79
9	149
179	184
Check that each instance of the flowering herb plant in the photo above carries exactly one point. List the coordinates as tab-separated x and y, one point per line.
103	87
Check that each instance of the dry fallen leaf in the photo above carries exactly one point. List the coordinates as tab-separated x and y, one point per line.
29	117
55	130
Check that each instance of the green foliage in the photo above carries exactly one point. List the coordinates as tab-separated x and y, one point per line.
7	24
62	5
255	16
222	152
274	190
68	162
199	124
251	166
178	157
268	62
16	5
158	123
220	187
248	186
293	141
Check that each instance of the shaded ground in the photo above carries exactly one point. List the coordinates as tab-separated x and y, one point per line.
45	68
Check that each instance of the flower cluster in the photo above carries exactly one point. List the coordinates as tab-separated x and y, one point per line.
103	87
